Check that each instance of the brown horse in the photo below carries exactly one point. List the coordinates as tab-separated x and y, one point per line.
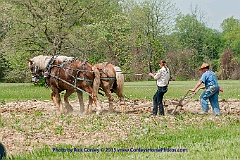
79	76
111	80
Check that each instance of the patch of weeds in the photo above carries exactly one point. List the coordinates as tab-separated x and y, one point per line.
19	128
58	130
68	121
12	114
164	124
26	116
40	127
144	116
180	117
147	115
2	102
209	124
98	125
189	115
124	117
1	122
17	120
38	113
110	118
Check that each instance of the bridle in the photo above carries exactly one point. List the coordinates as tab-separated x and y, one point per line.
36	73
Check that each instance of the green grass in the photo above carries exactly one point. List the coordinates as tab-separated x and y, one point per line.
177	89
204	137
23	91
143	89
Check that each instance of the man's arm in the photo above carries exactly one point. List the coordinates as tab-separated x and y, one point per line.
197	85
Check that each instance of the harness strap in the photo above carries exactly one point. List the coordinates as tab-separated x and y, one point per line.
84	79
49	65
108	78
75	87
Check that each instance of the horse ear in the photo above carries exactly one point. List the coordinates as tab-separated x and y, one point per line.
30	61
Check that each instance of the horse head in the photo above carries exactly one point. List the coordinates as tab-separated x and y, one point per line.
35	71
40	64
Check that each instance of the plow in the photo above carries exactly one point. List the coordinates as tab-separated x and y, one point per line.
184	100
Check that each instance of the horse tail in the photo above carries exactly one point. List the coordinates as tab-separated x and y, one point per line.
119	79
96	82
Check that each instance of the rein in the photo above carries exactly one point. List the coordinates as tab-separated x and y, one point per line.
74	77
74	86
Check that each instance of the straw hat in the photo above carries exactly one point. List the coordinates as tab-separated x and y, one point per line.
204	65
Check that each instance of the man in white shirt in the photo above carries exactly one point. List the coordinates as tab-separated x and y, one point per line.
162	77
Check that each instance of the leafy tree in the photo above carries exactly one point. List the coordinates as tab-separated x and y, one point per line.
151	21
229	66
3	67
231	32
46	27
4	27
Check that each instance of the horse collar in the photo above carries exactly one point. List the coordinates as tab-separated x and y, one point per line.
49	65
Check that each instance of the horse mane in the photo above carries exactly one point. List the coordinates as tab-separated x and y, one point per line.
64	58
42	61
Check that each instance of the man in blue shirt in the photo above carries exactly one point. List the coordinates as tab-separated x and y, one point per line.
211	93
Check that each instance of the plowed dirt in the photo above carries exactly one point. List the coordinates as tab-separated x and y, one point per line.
27	125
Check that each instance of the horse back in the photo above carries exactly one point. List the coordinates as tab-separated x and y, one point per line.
106	70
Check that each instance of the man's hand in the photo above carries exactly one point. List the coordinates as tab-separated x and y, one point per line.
192	90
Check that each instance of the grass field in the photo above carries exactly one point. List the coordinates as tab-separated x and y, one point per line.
142	89
185	136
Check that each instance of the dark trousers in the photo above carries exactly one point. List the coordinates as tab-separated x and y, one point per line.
157	100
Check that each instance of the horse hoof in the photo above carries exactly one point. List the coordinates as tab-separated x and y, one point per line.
81	112
85	113
63	111
110	111
69	110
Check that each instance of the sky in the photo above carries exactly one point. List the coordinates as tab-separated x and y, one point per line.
215	11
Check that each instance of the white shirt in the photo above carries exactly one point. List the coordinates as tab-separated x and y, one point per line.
162	77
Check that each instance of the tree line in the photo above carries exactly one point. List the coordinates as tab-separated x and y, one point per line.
129	33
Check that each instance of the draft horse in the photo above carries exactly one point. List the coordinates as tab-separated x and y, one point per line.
111	80
65	74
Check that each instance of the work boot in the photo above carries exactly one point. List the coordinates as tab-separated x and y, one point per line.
203	112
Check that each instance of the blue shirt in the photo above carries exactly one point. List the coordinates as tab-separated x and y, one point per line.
209	78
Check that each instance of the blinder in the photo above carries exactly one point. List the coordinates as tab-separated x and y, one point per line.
36	73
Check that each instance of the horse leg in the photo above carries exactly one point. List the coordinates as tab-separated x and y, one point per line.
90	102
80	99
66	102
57	101
110	100
92	98
121	98
54	99
97	106
89	106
